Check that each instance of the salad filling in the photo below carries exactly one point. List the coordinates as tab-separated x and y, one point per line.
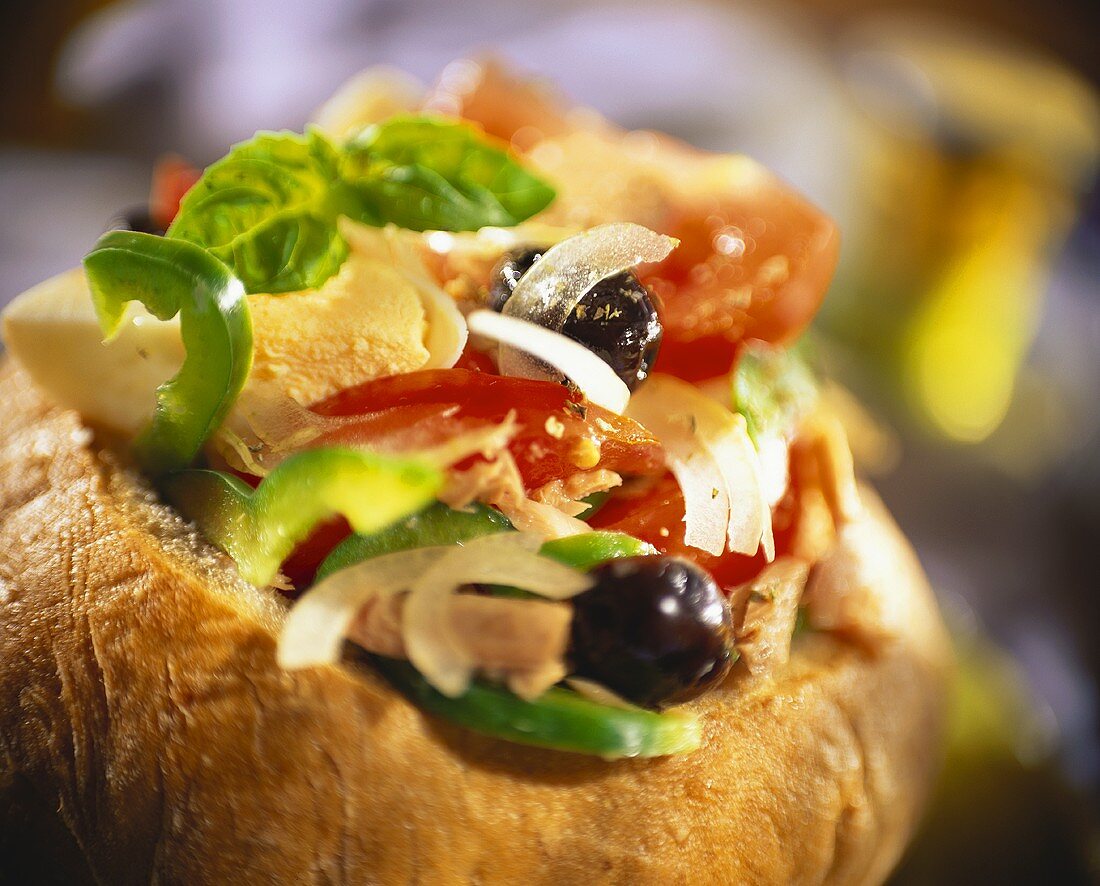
505	407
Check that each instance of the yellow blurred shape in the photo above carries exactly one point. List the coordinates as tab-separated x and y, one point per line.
975	151
967	339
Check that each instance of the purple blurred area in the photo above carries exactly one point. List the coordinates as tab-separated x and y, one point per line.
1008	526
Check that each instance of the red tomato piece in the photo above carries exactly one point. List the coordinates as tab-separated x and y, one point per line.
172	178
752	263
560	433
475	360
755	257
301	565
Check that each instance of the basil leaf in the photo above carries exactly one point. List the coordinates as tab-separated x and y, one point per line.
433	173
773	388
268	210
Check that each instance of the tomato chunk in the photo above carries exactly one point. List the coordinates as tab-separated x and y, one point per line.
172	178
753	262
302	564
755	257
560	432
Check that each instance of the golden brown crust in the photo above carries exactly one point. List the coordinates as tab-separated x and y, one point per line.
142	713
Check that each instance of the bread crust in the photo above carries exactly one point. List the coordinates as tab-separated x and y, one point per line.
147	734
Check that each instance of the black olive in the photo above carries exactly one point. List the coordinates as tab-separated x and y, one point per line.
654	630
506	274
616	319
137	218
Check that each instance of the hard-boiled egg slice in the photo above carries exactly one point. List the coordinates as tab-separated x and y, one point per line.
52	331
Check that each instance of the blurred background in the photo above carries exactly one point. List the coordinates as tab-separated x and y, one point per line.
955	141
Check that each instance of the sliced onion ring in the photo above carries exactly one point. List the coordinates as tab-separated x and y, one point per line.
706	500
505	558
314	631
714	461
596	380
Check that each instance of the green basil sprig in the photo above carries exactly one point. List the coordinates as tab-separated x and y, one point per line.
431	173
269	208
172	277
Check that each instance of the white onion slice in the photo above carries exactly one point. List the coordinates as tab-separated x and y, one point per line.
441	656
706	500
317	624
549	292
714	461
773	449
315	629
596	380
775	474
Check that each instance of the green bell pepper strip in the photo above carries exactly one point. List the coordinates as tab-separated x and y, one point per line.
595	501
559	719
590	549
436	525
172	277
260	528
441	525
